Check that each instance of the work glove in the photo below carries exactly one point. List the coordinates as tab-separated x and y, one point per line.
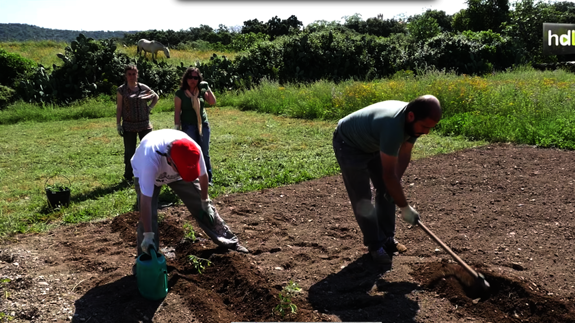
120	129
207	213
148	241
177	127
409	214
204	86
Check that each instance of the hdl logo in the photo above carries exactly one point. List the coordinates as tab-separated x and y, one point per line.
558	39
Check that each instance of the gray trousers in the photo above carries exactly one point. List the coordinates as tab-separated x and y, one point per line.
359	168
189	193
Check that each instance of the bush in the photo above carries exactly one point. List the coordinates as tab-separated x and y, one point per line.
13	67
467	53
242	42
6	96
92	68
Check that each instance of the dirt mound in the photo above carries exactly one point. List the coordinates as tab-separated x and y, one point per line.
505	210
507	299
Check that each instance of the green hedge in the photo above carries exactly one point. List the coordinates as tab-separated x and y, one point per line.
13	67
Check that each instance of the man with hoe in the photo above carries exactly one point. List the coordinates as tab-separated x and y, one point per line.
171	157
375	144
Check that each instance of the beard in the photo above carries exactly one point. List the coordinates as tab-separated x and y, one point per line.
409	129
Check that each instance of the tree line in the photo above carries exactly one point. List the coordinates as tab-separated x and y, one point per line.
25	32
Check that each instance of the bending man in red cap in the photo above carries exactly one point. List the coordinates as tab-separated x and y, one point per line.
171	157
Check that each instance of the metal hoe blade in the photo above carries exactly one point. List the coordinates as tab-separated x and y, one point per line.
478	277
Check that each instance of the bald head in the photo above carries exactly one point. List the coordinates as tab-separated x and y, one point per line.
424	107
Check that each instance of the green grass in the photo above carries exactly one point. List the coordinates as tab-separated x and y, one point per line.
279	135
250	151
44	52
100	107
522	106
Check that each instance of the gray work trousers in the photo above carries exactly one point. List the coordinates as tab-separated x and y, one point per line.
359	168
189	193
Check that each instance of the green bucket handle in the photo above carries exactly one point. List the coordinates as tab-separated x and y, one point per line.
46	183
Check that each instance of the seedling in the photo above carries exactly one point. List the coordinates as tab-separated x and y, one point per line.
199	263
286	306
5	317
189	233
6	292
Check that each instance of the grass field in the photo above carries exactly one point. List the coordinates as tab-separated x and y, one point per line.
288	139
272	151
44	52
522	106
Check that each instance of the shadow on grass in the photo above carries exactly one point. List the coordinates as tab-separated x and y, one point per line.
359	292
47	213
77	198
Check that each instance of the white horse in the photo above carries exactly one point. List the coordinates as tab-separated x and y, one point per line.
152	47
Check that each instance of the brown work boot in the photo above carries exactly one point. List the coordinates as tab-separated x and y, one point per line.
400	247
395	247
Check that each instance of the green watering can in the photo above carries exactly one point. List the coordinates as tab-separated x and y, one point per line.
152	275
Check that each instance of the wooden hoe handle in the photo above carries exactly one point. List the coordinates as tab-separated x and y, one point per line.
446	248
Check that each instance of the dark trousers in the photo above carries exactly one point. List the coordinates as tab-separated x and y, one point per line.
190	194
359	168
203	141
130	140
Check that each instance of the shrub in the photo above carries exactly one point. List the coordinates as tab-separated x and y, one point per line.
467	53
92	68
6	96
13	67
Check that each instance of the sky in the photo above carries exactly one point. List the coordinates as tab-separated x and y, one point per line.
134	15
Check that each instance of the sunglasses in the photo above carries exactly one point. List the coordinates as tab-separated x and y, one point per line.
194	78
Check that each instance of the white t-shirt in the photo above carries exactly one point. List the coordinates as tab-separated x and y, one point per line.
151	168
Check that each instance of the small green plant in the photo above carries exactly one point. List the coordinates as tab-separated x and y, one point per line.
189	232
6	293
5	317
199	263
285	296
57	188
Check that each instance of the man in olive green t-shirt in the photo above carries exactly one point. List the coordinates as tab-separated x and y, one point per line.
374	144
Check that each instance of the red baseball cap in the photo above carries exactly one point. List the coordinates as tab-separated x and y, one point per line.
186	155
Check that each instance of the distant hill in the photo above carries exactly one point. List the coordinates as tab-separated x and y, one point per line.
24	32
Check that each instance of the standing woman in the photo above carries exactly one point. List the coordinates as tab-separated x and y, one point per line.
190	115
133	114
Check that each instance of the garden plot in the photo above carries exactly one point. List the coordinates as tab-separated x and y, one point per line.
506	210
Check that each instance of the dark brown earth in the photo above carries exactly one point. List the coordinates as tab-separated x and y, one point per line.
506	210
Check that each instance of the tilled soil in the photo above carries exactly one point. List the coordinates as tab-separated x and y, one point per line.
506	210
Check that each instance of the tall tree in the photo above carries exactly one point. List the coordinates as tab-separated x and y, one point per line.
254	26
482	15
383	28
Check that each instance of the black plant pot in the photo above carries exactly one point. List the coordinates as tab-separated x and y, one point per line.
58	196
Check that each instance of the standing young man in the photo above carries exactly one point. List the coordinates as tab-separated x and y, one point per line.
170	157
374	144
